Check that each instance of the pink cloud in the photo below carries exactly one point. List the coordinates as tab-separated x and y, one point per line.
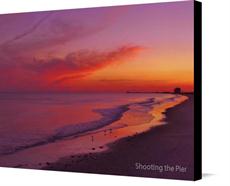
79	64
49	74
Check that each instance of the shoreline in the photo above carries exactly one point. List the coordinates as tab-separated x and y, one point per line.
170	144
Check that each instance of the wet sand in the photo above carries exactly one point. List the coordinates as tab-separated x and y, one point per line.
169	145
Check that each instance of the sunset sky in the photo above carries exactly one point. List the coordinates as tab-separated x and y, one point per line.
113	49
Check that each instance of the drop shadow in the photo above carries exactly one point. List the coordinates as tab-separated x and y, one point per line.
207	175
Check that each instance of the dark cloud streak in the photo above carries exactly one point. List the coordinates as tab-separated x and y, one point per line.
29	31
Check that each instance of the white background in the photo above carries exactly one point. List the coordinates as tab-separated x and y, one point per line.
216	101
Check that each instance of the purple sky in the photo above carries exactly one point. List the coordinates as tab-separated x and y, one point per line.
28	38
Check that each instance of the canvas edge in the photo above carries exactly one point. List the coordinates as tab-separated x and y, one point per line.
197	90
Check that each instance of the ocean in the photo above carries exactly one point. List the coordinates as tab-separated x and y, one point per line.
37	129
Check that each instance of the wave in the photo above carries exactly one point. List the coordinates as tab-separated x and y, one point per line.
108	116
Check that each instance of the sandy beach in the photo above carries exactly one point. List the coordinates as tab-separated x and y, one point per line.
168	146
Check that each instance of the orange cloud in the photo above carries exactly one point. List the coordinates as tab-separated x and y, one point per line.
80	64
60	74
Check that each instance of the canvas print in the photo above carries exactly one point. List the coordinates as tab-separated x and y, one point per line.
107	90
